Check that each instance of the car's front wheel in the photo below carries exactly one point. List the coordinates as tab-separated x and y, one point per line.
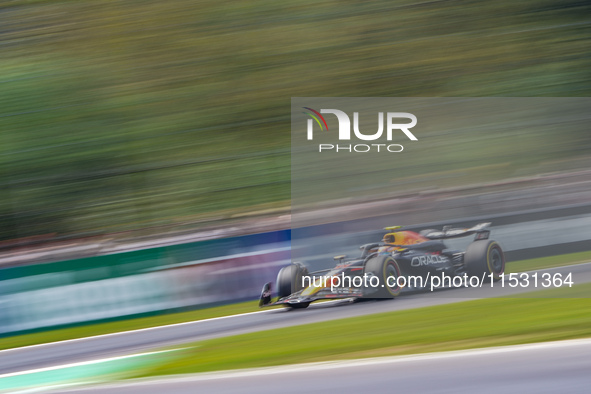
387	272
289	280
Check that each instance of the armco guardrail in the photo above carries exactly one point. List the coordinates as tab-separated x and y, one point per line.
132	283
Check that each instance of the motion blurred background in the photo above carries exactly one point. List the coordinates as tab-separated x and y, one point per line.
140	137
150	116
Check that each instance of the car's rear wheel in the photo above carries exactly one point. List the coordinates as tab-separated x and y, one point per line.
387	272
485	257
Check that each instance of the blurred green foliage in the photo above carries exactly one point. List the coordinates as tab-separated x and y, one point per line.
123	115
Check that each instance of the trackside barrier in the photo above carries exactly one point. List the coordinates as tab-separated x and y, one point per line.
152	280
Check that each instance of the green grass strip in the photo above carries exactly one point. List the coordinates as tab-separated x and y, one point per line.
464	325
549	262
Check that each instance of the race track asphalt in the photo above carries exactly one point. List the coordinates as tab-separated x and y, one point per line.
551	367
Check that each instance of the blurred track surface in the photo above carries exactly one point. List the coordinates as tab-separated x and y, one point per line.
539	368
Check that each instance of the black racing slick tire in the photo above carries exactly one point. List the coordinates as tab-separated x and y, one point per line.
301	305
485	257
289	281
387	272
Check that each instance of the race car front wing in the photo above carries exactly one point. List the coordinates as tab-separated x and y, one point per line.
297	297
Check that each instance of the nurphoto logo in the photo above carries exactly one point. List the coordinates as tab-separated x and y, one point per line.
394	124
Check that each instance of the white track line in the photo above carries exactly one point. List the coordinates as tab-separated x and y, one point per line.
151	328
42	389
133	331
79	364
556	268
329	365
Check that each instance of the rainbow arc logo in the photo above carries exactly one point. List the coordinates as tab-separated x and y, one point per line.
316	115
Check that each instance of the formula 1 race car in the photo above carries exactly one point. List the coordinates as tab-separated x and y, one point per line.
401	259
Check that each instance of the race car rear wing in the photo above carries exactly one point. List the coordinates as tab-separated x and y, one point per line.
481	230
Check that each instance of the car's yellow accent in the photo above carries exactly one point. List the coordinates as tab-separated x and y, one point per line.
314	288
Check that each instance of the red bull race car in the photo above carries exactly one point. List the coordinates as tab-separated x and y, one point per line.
403	259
